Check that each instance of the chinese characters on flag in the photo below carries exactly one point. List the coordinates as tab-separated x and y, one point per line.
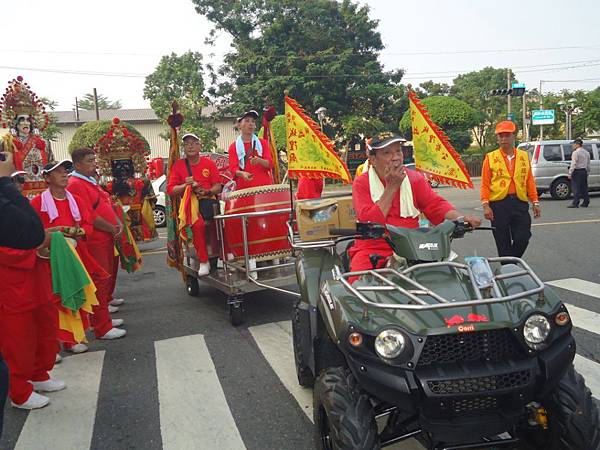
310	152
433	152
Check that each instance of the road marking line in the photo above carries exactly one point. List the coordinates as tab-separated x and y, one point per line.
577	285
193	409
590	370
567	222
153	252
275	342
584	318
68	421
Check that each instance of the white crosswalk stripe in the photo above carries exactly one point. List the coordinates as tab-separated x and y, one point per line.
577	285
193	409
68	422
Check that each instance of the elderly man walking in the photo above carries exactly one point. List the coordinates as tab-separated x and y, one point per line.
578	173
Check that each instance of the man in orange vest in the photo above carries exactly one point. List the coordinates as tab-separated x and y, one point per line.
507	186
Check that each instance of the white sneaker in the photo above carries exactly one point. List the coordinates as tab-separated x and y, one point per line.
50	385
204	269
34	401
114	333
112	309
117	322
116	301
78	348
58	358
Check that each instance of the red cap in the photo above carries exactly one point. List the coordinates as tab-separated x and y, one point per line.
506	126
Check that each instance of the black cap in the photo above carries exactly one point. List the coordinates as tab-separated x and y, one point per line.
578	141
385	139
53	165
250	113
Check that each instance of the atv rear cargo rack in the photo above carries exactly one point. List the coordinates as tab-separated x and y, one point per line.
417	291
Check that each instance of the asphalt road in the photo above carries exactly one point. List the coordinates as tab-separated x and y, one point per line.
183	377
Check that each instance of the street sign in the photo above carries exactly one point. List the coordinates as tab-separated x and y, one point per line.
518	86
542	117
510	116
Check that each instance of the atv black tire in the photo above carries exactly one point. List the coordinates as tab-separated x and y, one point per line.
305	375
343	414
572	417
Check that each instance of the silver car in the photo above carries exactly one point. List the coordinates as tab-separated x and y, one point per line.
550	161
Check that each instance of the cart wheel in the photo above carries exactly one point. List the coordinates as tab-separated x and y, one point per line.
236	314
192	286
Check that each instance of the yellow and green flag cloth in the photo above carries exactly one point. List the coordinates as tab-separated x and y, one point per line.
432	150
310	153
189	212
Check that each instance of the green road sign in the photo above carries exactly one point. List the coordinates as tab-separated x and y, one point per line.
542	117
510	116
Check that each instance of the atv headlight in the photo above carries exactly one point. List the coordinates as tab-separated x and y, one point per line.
536	330
389	343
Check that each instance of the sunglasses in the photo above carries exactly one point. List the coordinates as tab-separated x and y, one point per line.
19	179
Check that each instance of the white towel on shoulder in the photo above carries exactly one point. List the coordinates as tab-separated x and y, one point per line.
407	204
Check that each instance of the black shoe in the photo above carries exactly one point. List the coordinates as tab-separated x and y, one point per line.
573	206
585	205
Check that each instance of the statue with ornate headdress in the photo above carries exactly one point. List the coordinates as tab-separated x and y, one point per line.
122	158
24	112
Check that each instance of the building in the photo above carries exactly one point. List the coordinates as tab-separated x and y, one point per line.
144	120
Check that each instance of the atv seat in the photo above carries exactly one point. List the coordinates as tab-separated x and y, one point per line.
342	251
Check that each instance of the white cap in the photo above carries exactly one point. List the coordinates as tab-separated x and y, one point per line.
18	172
186	135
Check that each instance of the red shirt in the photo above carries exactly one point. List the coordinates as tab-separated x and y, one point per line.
425	200
23	283
262	175
97	201
309	188
205	173
65	218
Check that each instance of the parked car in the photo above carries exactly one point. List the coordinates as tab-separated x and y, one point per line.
160	213
550	162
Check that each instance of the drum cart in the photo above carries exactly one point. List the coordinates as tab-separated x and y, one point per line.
239	277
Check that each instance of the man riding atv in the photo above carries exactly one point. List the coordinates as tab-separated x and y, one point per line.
388	193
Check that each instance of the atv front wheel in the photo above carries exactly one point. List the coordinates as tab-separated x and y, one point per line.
343	415
305	375
572	417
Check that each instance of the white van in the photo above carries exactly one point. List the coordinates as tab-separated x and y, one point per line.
550	161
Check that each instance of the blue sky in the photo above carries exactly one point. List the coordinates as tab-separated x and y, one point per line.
67	47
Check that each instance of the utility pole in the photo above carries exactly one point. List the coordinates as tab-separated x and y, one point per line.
508	87
76	109
541	107
525	126
96	105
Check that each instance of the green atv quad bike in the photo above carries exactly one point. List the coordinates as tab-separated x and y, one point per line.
472	355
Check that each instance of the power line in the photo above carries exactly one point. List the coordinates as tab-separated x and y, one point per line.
512	50
79	72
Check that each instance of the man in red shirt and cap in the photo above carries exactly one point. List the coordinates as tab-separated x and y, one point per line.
107	227
250	159
202	175
388	193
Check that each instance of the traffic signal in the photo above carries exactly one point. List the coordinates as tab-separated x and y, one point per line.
515	92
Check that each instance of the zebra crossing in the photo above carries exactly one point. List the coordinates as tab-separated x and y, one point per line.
192	403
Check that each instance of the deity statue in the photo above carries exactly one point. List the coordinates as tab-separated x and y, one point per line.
24	112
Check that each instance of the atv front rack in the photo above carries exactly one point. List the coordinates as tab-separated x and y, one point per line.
416	291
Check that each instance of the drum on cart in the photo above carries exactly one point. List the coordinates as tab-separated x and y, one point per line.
267	235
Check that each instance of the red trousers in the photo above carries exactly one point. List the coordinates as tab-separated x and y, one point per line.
103	253
28	341
199	232
113	276
361	252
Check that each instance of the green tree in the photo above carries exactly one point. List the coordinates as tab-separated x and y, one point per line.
430	88
589	118
452	115
88	134
52	131
87	102
323	52
180	78
473	88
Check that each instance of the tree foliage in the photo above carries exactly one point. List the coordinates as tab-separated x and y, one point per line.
452	115
88	134
87	102
180	78
52	132
323	52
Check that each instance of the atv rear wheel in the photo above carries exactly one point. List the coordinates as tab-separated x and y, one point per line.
343	414
572	417
305	375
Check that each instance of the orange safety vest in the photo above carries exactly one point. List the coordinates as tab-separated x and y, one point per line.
501	176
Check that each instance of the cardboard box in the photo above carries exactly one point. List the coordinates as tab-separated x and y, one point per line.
315	217
346	213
